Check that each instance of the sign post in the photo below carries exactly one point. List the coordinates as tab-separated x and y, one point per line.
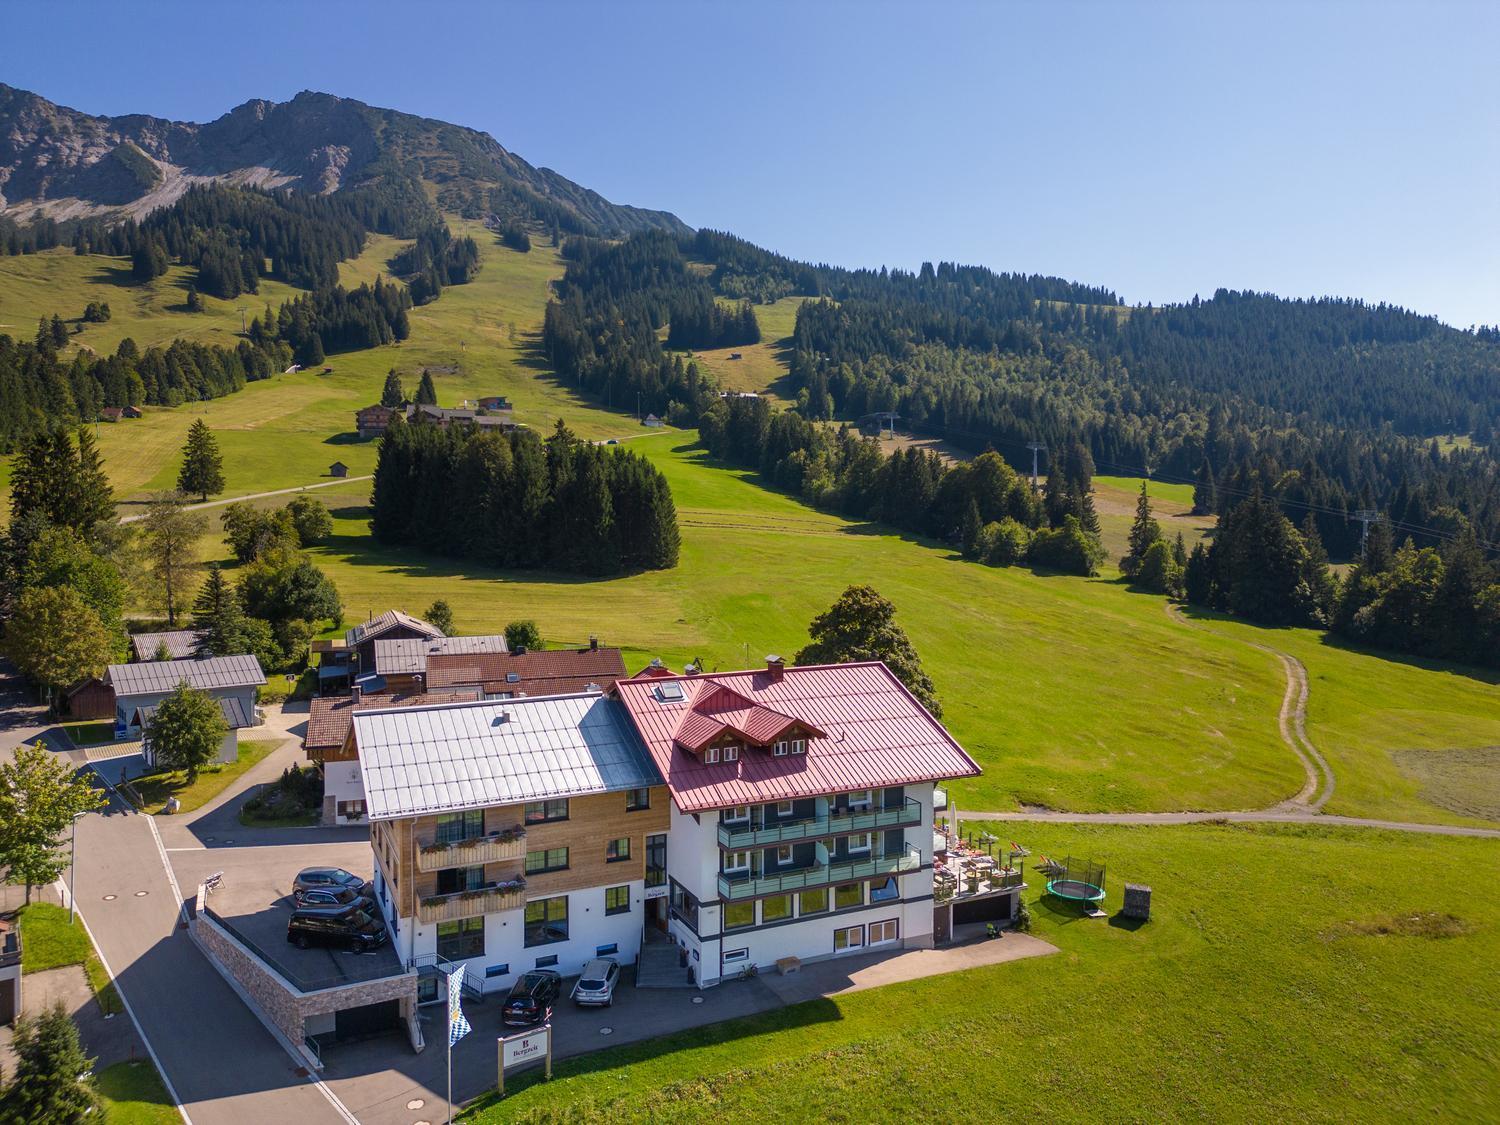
528	1046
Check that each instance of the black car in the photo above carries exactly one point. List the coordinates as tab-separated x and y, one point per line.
355	928
531	998
310	878
332	896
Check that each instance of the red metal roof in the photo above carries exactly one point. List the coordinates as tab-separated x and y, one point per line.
865	731
721	709
548	672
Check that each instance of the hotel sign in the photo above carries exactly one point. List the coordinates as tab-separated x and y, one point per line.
528	1047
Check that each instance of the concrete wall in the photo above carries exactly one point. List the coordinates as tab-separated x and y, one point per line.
589	927
280	1004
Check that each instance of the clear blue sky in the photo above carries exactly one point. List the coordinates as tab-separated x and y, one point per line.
1160	149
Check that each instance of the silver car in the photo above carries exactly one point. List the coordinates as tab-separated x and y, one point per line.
596	985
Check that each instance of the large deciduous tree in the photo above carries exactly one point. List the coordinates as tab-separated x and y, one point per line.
186	730
56	639
202	465
440	613
171	534
39	794
861	625
523	635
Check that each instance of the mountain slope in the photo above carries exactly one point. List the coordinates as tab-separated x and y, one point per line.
60	163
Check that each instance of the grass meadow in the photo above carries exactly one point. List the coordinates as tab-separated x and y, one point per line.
1287	974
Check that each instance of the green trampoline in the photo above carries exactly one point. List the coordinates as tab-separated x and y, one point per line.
1077	880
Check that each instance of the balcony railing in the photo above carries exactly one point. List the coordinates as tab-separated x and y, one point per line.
733	886
497	847
736	837
471	904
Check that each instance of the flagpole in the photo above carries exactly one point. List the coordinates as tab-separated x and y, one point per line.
450	1079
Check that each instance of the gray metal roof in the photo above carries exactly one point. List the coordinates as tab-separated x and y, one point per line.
180	644
158	677
390	619
467	755
408	655
230	707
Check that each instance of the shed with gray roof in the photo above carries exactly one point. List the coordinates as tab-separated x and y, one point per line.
231	681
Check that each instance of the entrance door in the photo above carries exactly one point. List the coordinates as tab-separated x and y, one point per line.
656	915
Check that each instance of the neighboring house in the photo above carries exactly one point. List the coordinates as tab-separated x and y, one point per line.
373	421
90	699
494	402
111	413
652	420
10	970
516	674
390	625
338	469
131	412
236	718
181	644
458	416
328	746
402	663
231	680
514	834
802	812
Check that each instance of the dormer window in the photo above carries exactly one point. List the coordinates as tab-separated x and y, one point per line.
711	756
799	746
779	750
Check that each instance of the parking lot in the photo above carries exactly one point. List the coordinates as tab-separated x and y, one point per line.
254	901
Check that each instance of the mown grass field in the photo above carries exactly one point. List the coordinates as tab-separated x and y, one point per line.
1287	974
1073	694
156	789
762	366
50	941
134	1095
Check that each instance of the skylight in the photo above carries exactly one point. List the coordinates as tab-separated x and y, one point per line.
670	692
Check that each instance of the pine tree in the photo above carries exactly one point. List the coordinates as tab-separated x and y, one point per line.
194	301
1205	491
426	392
202	465
92	501
969	528
1143	532
52	1081
219	617
58	331
394	394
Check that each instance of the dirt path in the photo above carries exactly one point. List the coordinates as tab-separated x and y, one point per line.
258	496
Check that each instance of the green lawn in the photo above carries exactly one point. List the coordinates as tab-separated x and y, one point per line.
1289	974
48	941
90	733
157	788
134	1095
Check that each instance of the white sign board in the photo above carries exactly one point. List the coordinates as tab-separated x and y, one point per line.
518	1049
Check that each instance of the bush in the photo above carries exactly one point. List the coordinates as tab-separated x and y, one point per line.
296	793
1023	916
1069	549
1005	542
310	519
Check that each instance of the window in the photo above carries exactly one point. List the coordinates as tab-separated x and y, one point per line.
451	880
736	861
846	895
617	849
775	908
799	746
738	915
546	962
711	756
736	815
784	854
354	809
813	902
859	842
783	808
731	753
493	971
617	900
547	921
853	937
735	955
884	892
453	827
637	799
656	860
546	859
540	812
882	931
606	950
779	750
860	801
684	905
458	941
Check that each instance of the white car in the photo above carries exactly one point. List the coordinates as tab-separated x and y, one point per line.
596	985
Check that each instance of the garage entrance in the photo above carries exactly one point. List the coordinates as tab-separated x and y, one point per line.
366	1021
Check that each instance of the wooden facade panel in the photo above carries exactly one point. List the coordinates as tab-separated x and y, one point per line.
592	822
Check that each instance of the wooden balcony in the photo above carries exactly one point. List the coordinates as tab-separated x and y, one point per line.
497	847
472	904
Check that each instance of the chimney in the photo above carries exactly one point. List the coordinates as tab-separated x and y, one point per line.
354	692
593	643
690	670
775	666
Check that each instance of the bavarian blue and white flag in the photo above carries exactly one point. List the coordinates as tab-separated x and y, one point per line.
458	1026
